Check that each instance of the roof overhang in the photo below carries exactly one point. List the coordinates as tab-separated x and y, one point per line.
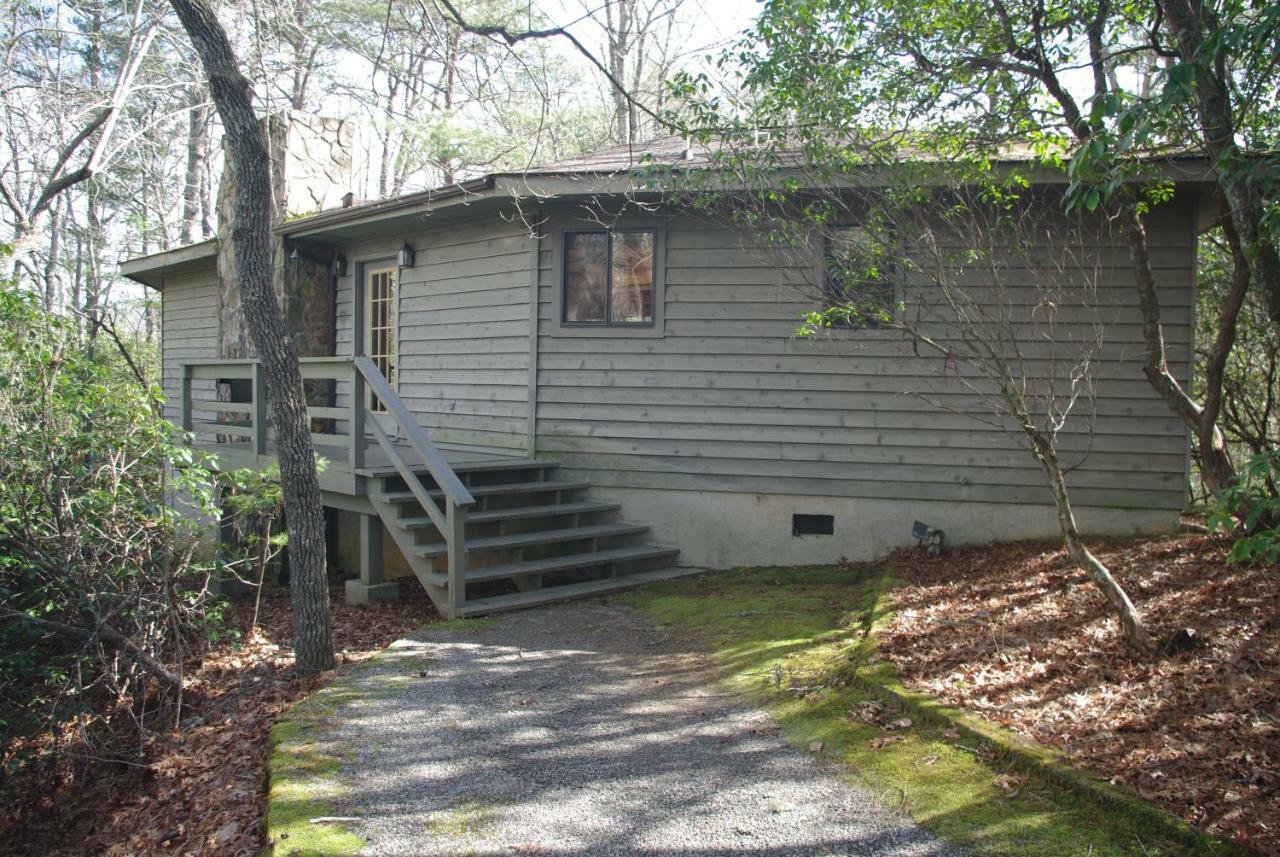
499	192
153	270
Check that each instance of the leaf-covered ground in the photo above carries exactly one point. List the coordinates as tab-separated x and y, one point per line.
198	790
1015	633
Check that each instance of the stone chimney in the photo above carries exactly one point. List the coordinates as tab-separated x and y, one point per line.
311	171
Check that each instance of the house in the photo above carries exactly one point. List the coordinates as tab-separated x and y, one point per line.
523	398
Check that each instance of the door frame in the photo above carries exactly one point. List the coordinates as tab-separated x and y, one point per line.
361	332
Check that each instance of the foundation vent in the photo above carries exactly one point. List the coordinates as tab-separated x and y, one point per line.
813	525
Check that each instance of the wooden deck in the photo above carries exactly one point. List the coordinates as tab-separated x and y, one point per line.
461	516
337	476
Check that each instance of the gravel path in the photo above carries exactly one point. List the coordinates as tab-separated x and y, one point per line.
580	730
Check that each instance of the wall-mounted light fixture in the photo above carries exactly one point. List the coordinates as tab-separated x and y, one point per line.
406	255
295	260
339	265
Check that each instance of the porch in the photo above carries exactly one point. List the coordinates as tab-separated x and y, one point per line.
483	530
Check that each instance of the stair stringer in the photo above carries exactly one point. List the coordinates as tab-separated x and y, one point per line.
407	542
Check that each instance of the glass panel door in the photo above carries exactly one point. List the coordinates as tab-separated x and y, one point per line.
381	326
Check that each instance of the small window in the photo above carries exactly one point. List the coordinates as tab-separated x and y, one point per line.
608	278
857	277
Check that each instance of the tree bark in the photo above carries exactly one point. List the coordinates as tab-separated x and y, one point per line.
197	155
1216	468
1135	631
252	240
1186	22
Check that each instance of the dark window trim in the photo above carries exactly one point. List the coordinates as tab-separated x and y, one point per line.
889	287
608	286
555	238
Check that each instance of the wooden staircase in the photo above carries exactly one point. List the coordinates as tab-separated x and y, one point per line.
530	538
484	532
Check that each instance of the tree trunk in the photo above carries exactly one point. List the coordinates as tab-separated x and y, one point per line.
1186	21
1215	466
197	156
619	33
1135	631
252	239
51	273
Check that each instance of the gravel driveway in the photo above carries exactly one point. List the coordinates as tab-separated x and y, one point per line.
581	730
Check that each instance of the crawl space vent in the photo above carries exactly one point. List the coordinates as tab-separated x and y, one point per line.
813	525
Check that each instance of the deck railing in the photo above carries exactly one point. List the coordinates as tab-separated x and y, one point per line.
347	430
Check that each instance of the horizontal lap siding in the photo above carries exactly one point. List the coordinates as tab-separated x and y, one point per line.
463	329
189	313
730	399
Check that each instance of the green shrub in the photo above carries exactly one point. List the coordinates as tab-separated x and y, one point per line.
98	534
1251	503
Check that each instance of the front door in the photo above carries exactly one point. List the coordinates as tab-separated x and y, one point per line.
381	331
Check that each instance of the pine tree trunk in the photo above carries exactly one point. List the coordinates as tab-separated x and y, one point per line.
197	156
252	240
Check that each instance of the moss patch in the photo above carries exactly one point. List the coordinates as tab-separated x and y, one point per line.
800	642
306	761
304	771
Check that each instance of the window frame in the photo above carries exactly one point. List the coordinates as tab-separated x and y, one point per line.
890	285
651	329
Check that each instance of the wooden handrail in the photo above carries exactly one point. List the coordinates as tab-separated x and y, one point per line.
436	464
452	522
366	384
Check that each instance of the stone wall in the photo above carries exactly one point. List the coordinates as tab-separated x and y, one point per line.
311	170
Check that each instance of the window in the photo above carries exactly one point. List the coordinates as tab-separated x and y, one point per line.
609	278
856	276
381	327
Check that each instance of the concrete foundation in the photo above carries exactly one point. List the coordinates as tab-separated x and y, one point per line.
368	593
716	529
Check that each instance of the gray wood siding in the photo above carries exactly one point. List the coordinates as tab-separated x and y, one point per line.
463	329
730	399
189	331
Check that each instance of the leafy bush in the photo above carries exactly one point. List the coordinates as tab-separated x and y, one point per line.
1252	503
253	503
101	596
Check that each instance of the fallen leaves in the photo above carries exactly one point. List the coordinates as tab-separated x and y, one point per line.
884	741
1016	634
200	789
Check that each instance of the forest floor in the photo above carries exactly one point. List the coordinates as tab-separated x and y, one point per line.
200	790
1014	633
1010	632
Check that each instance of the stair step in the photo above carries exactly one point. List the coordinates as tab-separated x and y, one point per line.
389	471
492	515
504	464
568	592
492	490
562	563
541	537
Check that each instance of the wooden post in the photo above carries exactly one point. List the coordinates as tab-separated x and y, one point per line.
259	409
356	428
457	520
371	587
370	549
185	405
